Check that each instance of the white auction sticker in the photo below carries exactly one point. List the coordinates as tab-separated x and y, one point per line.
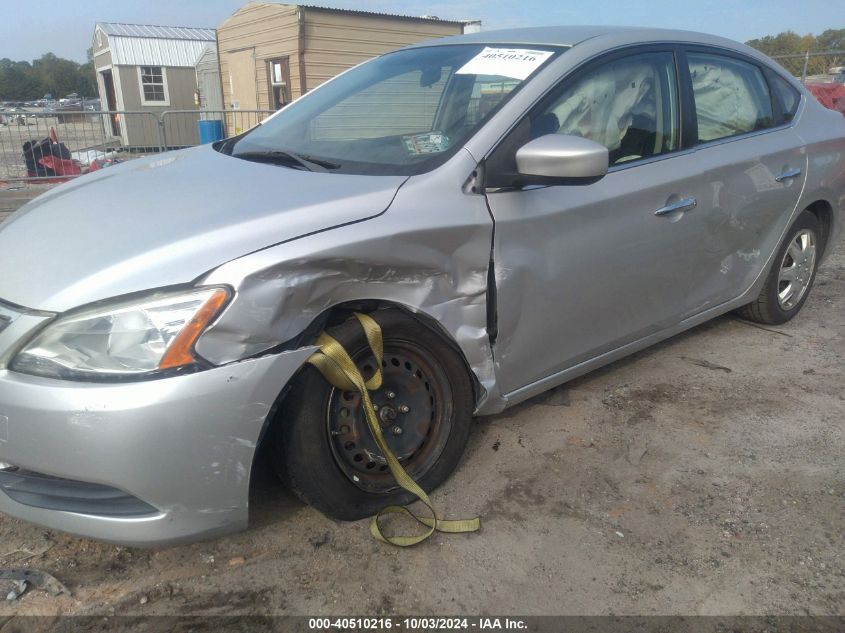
517	63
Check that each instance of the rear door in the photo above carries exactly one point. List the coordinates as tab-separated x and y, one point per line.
752	169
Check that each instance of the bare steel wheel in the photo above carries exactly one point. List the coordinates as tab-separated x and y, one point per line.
414	409
322	447
796	269
791	277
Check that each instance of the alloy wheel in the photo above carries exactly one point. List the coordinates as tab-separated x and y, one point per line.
796	269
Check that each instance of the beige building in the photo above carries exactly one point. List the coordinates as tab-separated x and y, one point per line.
272	53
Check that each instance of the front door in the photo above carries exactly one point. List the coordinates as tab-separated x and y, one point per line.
584	269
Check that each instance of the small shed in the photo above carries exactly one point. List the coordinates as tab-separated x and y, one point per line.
149	68
272	53
208	80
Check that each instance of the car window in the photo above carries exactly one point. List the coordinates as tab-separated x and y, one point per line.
402	104
789	97
629	105
399	114
412	103
731	96
487	93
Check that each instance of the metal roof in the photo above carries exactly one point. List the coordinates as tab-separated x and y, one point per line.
282	6
427	18
152	45
155	31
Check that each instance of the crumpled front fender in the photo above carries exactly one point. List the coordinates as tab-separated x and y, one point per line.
427	253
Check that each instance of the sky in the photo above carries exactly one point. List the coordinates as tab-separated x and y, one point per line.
65	27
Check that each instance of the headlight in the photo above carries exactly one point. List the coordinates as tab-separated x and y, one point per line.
123	340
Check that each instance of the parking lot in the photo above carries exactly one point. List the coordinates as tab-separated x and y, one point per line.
702	476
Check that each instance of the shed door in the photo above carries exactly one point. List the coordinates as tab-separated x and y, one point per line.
111	101
242	80
208	84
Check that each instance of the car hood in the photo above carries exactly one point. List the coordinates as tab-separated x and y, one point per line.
166	220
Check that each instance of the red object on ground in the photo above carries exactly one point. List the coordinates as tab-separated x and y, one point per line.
62	166
831	96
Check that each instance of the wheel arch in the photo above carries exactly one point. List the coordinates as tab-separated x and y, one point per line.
340	312
823	210
337	314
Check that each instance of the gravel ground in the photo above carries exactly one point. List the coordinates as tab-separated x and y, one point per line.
702	476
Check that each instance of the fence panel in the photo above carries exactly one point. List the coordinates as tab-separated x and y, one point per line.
91	134
87	134
180	127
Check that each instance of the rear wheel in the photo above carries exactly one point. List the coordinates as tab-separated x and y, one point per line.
791	277
322	447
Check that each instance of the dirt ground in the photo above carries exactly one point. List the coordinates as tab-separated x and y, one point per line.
702	476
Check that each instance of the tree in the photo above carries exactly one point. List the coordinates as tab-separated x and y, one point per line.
87	80
25	81
18	82
59	76
789	48
786	43
832	40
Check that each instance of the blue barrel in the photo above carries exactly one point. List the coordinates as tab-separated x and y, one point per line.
210	131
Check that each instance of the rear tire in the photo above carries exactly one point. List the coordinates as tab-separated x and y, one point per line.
791	277
321	448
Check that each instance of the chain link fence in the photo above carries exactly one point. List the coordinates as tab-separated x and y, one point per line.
49	146
813	67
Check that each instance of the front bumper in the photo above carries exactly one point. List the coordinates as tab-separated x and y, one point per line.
182	445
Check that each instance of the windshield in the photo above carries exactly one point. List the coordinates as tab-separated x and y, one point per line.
400	114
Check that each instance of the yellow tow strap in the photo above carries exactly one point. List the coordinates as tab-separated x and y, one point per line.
333	361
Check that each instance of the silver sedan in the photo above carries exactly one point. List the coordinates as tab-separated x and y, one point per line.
514	209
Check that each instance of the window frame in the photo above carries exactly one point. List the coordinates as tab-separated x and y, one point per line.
284	85
684	95
765	70
144	100
771	77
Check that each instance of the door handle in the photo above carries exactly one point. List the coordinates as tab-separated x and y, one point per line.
684	204
789	173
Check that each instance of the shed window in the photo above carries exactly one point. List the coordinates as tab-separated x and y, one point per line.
153	84
279	82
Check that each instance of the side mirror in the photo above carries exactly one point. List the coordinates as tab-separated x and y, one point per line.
558	159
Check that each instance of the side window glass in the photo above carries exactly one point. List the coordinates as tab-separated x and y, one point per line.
731	96
629	105
789	97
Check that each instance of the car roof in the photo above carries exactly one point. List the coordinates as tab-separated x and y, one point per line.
573	35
